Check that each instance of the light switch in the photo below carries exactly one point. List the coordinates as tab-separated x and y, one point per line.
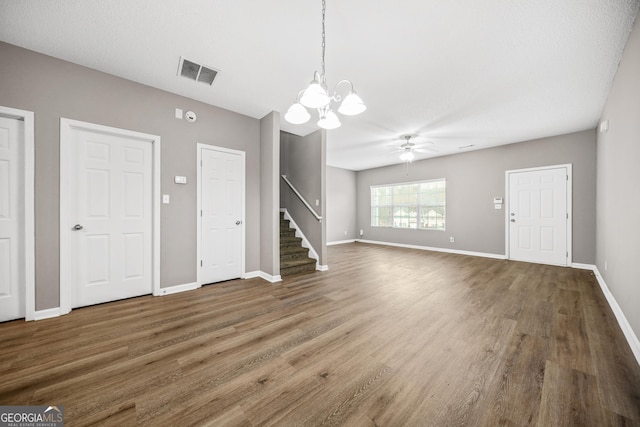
180	179
165	199
179	113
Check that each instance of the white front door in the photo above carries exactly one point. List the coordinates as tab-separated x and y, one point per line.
12	190
538	215
109	194
221	209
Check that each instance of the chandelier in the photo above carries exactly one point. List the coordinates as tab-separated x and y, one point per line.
316	96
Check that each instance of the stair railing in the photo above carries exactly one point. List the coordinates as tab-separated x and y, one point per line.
302	199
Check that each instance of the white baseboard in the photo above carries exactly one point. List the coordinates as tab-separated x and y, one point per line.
340	242
251	275
261	274
581	266
322	267
430	248
47	314
270	278
178	288
631	337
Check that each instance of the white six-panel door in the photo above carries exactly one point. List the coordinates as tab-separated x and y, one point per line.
538	215
221	208
12	281
109	216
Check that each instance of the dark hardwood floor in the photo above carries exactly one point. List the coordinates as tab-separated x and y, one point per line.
386	337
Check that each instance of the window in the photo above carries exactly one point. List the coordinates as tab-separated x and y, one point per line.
419	205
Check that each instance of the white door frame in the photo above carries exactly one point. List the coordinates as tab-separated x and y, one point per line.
242	154
67	126
28	175
569	207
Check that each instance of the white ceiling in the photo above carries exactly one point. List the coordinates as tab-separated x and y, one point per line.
485	72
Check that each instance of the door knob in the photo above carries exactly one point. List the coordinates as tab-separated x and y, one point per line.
513	220
77	227
238	222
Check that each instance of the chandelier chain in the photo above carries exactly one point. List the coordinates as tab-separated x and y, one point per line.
324	8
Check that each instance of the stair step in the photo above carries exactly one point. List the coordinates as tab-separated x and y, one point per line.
298	262
292	256
289	232
290	241
289	268
293	249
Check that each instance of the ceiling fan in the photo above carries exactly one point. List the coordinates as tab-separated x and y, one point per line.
408	148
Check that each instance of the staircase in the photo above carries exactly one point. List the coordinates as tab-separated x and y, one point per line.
294	257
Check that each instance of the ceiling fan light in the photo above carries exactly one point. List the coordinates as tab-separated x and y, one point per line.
297	114
329	121
407	156
315	95
352	105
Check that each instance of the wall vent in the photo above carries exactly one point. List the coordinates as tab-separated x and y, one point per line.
197	72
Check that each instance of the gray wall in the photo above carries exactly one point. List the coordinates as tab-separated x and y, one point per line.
618	198
302	160
54	88
474	179
341	205
270	194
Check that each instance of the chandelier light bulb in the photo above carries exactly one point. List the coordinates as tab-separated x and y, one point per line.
297	114
315	96
352	105
329	120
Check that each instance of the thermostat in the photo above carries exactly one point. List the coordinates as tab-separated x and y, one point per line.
190	116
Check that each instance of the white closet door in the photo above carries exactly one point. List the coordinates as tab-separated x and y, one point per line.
12	282
111	233
222	182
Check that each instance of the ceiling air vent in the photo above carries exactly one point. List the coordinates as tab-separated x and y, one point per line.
197	72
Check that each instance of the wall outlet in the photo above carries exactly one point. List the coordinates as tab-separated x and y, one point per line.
451	239
345	232
361	233
165	199
317	202
605	265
